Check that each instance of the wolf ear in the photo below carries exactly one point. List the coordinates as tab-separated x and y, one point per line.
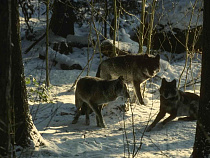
121	78
163	81
146	55
157	57
174	82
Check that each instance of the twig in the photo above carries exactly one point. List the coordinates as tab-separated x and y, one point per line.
186	44
37	41
72	87
133	130
125	134
143	134
158	148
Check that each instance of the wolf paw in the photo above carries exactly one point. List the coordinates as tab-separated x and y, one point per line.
161	125
74	121
186	119
142	103
145	101
87	122
101	125
149	129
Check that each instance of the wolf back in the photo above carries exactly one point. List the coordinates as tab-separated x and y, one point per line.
93	92
133	68
176	103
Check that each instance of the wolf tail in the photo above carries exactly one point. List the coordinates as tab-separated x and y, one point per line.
98	71
84	108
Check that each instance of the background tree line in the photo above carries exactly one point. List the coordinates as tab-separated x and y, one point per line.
16	126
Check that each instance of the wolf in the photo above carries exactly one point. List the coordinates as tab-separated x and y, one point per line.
133	68
176	103
94	92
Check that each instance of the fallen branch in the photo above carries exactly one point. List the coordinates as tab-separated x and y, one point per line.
35	43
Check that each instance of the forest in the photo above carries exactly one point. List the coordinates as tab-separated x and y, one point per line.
48	46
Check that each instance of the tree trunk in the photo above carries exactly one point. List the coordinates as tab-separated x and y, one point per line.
141	29
5	78
202	138
16	125
149	40
47	45
24	129
105	19
63	18
18	83
115	27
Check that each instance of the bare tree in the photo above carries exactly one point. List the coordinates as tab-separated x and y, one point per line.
141	29
63	18
115	25
5	77
47	45
16	125
202	138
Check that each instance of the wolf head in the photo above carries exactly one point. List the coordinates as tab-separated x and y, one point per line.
121	88
168	90
152	65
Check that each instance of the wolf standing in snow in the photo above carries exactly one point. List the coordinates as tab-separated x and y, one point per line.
176	103
133	68
94	92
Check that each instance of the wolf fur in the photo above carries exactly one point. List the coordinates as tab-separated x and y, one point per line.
133	68
94	92
176	103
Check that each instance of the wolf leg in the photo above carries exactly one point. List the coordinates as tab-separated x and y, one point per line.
77	116
136	85
170	118
133	100
160	115
188	118
87	116
97	109
97	118
78	104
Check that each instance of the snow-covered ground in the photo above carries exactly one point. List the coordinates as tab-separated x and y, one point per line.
124	134
64	139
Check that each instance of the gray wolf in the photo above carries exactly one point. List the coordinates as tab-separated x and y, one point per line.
176	103
133	68
94	92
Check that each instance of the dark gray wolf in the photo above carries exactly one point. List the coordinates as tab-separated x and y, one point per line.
133	68
94	92
176	103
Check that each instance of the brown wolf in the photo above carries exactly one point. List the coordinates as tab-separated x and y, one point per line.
94	92
176	103
133	68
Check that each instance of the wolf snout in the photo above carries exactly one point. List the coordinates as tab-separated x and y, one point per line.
165	95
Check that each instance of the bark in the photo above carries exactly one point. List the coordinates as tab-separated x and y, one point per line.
16	125
201	147
25	131
115	27
63	18
141	29
47	46
22	133
107	48
5	77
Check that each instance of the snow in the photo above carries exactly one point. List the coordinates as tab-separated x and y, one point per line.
60	58
125	131
126	45
177	14
64	139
